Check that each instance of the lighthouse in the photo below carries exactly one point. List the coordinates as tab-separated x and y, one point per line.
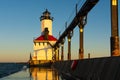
46	22
42	45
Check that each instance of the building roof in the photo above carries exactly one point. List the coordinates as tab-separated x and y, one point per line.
41	38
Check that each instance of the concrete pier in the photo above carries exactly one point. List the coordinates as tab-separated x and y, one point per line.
107	68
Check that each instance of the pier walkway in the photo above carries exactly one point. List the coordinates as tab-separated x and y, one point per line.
107	68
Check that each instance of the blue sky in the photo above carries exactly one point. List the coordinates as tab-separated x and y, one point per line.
19	24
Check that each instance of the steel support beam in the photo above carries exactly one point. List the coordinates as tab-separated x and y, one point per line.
62	49
58	53
62	52
114	29
87	6
81	42
55	55
69	49
82	22
69	45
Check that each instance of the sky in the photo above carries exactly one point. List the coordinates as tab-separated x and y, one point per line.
20	24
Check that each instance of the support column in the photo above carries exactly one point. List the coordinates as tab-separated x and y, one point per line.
52	54
62	52
70	33
55	52
114	29
81	49
69	47
58	53
62	49
83	21
88	55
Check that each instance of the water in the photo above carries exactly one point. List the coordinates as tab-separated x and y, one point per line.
10	68
34	74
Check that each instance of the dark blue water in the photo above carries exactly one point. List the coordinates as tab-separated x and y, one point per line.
10	68
15	73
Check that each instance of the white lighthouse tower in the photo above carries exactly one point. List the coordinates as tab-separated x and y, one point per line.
46	22
43	51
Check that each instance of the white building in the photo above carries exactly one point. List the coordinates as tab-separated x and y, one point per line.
43	44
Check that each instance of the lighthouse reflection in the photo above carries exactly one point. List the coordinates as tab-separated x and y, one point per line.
43	74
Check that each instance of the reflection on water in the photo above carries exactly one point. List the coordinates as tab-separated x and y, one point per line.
34	74
43	74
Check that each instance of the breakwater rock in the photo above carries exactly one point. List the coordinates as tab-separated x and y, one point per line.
10	68
107	68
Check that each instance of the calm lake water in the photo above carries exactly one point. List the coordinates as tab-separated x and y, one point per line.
34	74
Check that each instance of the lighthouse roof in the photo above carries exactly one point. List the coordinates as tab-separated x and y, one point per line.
46	15
46	12
41	38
